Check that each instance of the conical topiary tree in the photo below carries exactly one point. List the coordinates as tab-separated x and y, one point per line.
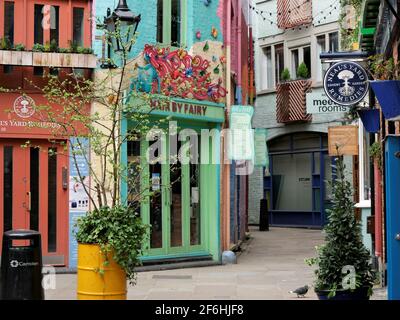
343	261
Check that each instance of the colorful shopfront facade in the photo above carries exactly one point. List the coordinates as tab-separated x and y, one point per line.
181	53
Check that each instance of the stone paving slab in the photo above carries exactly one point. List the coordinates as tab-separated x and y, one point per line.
271	265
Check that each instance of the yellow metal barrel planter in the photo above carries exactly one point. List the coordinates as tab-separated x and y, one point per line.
94	285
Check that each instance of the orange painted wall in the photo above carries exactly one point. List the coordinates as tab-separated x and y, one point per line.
24	21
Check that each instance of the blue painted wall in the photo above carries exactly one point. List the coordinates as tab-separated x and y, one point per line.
199	18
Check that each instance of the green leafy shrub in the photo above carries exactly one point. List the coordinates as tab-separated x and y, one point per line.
38	47
5	43
117	230
302	71
53	46
343	242
19	47
285	76
63	50
73	47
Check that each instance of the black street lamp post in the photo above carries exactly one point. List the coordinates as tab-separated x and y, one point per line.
122	19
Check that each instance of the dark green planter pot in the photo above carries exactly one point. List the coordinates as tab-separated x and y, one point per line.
358	294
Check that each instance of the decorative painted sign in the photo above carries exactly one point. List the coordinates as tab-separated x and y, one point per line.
260	148
343	140
177	73
318	102
346	83
241	138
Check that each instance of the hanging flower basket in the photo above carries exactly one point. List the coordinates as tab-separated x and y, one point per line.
388	95
370	119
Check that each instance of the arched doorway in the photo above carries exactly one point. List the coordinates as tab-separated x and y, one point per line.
296	184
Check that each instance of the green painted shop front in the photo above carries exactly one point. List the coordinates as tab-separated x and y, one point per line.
183	202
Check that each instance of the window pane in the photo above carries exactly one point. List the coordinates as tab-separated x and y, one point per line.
54	24
366	166
38	28
268	53
333	42
160	21
279	61
134	173
155	200
292	173
8	187
176	201
195	213
295	61
175	22
307	59
78	26
52	200
9	21
321	47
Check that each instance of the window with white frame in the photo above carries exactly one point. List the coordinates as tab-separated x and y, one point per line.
300	55
271	66
365	164
279	62
325	42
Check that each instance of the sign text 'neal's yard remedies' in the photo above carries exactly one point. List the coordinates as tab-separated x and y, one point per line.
346	83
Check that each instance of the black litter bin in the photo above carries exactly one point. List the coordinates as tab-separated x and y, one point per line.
21	266
264	221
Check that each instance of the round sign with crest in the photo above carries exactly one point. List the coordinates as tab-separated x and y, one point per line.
346	83
24	106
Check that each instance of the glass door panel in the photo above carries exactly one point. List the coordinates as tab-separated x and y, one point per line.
176	182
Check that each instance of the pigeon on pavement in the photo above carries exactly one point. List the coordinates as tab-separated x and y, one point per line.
301	292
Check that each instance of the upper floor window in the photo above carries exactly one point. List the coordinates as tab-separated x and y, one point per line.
300	55
279	62
325	42
169	21
9	21
78	16
271	66
46	24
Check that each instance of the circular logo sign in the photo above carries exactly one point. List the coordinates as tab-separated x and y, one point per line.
346	83
24	107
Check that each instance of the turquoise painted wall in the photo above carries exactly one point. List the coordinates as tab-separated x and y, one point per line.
199	18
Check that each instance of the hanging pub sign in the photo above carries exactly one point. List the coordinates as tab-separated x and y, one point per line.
346	83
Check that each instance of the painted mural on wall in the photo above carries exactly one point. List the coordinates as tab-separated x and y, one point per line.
177	73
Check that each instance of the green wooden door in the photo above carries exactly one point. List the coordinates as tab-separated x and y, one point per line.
172	206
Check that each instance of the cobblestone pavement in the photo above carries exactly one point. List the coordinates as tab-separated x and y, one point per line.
271	264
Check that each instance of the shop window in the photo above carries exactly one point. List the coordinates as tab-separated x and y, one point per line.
78	19
169	22
9	21
290	174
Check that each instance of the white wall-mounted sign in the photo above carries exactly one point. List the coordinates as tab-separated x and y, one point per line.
318	102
